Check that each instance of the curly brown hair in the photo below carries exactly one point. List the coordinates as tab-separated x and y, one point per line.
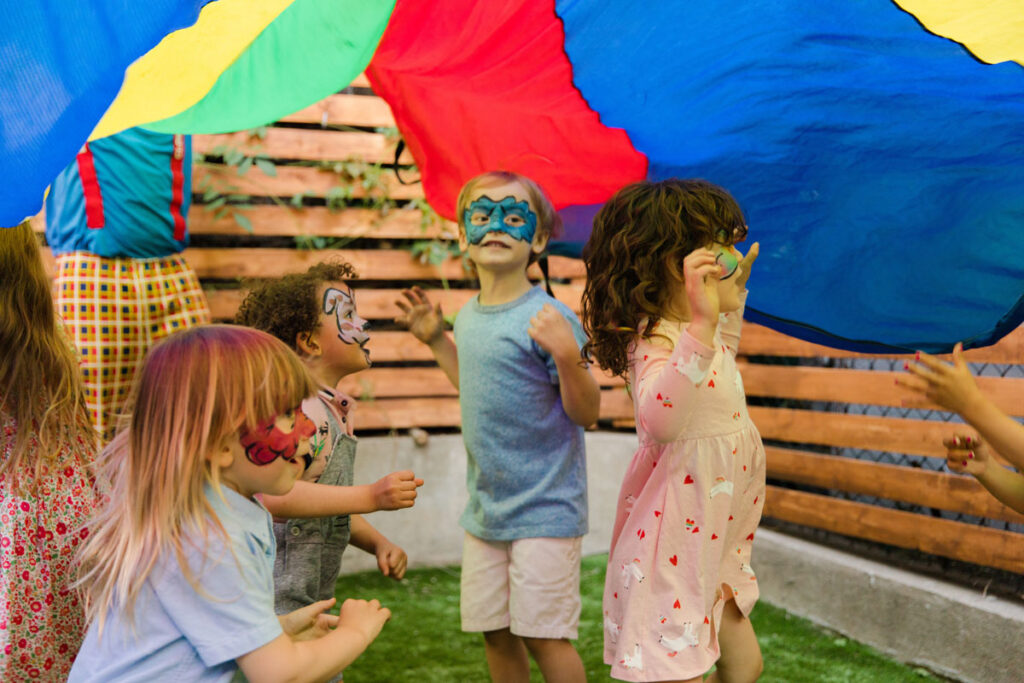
636	234
289	306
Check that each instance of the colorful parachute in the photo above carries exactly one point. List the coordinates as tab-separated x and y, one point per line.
876	147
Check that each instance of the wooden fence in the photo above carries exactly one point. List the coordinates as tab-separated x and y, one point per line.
804	409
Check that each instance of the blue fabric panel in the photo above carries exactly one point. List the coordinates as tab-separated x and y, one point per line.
880	166
61	65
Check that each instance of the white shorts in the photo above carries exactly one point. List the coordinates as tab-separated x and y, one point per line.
530	586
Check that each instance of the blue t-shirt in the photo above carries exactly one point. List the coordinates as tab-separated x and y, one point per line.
181	635
126	195
526	473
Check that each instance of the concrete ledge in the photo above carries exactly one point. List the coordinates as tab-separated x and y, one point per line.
943	627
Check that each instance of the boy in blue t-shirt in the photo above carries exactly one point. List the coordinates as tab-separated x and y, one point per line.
525	395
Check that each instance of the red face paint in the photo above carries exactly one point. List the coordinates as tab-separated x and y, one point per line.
266	442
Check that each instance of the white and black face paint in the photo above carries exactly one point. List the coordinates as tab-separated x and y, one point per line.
351	328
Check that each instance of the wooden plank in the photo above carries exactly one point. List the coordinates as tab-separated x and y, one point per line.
937	490
896	435
964	542
322	222
405	413
862	386
291	180
384	382
346	110
309	145
758	340
372	264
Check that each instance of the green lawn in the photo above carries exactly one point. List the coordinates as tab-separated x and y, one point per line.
423	643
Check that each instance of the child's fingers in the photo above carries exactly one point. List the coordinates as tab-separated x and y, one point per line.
751	256
958	357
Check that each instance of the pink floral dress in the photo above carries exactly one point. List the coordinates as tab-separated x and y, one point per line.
688	508
42	620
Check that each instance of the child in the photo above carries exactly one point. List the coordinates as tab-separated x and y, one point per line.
526	396
178	568
663	307
954	389
47	489
315	314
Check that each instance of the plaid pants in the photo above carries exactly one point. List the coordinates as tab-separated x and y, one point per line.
115	309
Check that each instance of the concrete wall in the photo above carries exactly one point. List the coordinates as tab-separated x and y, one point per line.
943	627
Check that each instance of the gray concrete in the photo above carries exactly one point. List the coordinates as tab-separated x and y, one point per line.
947	629
943	627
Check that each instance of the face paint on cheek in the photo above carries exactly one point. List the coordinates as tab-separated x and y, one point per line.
266	443
350	325
728	263
515	218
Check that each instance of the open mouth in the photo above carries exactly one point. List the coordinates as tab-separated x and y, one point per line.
494	243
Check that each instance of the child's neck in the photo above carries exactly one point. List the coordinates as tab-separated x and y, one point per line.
324	376
501	287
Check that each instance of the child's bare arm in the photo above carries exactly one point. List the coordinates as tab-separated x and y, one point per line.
953	387
286	659
426	323
970	455
391	559
306	499
581	397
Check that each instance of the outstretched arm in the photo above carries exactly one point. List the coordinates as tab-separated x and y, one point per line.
581	397
953	387
970	455
426	323
306	499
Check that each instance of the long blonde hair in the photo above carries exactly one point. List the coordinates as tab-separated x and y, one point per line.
195	390
40	384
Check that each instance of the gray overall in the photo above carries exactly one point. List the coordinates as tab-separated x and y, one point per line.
309	550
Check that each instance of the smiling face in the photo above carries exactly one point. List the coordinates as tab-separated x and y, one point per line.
499	227
342	333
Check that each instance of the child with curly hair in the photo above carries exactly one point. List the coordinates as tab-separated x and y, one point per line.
315	314
663	307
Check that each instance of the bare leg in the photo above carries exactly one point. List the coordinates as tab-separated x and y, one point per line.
506	657
741	655
557	660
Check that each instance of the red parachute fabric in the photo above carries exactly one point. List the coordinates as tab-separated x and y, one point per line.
480	86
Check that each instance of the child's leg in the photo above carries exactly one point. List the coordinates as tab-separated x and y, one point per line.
557	659
741	655
506	657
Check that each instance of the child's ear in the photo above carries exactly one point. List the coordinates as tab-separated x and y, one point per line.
540	243
307	344
463	240
222	457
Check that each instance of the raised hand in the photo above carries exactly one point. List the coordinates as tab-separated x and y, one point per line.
951	386
396	490
700	274
419	316
552	332
746	264
967	454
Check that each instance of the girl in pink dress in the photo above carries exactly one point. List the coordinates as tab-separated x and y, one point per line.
47	489
663	307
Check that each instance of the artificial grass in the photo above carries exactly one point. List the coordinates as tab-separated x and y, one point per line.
423	643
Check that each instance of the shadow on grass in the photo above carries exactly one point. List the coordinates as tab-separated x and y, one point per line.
423	643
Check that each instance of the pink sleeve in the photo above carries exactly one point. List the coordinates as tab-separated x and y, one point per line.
668	382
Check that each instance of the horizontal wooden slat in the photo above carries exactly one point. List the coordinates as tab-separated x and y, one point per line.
425	382
758	340
862	386
346	110
897	435
309	145
292	180
321	221
964	542
938	490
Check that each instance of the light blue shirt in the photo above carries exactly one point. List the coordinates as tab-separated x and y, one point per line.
180	635
526	470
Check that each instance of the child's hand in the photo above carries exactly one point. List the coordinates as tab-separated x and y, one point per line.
951	386
391	560
700	272
967	454
309	622
420	317
396	491
364	617
552	332
747	264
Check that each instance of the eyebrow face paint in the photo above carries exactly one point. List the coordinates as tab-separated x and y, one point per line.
510	216
351	328
266	442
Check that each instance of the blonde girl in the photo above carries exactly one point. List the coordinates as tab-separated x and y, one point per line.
47	448
179	567
663	307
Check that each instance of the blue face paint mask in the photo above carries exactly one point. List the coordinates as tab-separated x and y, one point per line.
509	216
